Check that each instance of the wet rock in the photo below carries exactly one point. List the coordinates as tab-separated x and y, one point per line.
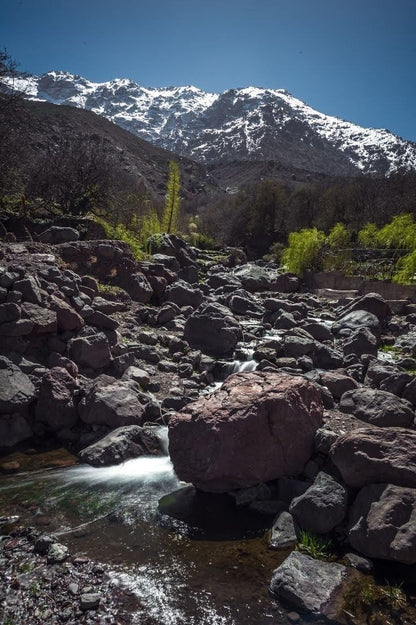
310	585
56	405
234	437
383	523
122	444
212	329
90	351
253	278
112	402
16	389
322	507
369	455
57	553
284	533
90	601
377	407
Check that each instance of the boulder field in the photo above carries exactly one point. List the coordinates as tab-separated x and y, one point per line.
313	425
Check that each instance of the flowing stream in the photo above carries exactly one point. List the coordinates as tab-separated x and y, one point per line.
207	564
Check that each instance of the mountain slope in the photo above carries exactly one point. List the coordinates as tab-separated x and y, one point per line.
243	124
48	127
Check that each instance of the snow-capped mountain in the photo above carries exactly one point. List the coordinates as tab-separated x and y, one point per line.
242	124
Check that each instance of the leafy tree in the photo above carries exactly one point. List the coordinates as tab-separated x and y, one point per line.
400	233
406	269
338	237
170	218
368	235
338	252
304	250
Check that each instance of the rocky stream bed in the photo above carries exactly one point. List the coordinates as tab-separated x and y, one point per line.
290	491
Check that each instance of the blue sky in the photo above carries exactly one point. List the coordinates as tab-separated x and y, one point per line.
354	59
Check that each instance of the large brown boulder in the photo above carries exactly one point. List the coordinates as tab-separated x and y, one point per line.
383	523
257	427
373	455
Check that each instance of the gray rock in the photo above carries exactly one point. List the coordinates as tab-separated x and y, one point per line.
322	507
112	402
309	585
121	444
57	553
284	533
90	351
44	320
16	389
355	320
213	329
14	429
43	543
183	294
56	405
377	407
9	312
90	601
360	342
58	234
29	288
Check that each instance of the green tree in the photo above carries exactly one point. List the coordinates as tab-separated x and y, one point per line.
368	235
304	250
399	233
170	220
338	252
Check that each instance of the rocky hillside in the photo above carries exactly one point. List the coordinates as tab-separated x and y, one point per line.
249	123
50	130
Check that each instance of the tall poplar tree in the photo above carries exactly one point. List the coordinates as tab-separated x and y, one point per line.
170	220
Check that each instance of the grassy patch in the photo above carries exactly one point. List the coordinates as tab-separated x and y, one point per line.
318	547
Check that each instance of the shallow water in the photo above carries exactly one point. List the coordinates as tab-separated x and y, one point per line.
208	568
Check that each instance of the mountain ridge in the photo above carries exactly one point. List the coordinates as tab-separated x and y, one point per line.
248	123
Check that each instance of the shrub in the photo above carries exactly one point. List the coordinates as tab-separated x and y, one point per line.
304	250
368	236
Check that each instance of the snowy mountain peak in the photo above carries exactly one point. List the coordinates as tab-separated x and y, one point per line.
248	123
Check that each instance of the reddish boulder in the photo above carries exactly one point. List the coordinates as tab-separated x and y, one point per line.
383	523
374	455
257	427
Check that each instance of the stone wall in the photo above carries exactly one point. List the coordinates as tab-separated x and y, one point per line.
338	281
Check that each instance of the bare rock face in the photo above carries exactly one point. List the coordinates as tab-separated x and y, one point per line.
371	455
383	523
257	427
16	389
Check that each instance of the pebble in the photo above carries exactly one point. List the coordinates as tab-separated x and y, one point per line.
90	601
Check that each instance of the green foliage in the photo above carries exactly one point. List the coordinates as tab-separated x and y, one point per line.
338	243
121	233
400	233
338	237
170	220
202	241
315	546
406	269
304	250
368	235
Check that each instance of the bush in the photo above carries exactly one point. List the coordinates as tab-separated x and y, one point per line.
406	269
122	233
304	250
